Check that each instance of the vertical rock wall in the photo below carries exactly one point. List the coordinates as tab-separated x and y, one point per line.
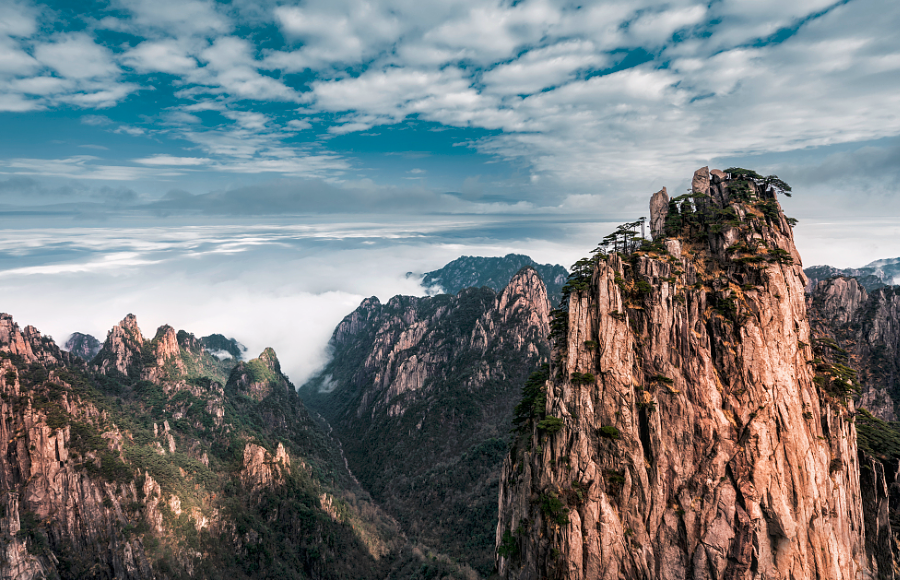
694	442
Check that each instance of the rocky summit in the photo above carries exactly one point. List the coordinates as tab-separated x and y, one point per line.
685	428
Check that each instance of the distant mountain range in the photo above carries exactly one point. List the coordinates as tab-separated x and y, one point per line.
872	276
86	347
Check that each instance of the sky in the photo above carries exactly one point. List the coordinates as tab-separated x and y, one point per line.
257	168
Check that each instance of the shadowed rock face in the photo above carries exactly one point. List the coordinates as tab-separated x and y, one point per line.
420	391
867	325
681	433
84	346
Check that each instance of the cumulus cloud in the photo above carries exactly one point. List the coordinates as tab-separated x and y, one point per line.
577	98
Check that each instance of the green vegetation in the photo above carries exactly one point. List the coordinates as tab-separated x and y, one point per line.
509	547
550	424
283	531
583	378
609	432
833	375
553	508
534	399
878	438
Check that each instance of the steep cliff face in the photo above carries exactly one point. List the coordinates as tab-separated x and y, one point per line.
867	326
683	431
145	467
864	329
420	392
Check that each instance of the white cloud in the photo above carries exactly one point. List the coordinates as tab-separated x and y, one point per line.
77	56
172	160
13	103
17	19
183	17
541	68
231	66
14	60
81	167
168	56
299	125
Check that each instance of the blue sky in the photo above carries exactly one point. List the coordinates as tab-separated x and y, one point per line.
531	104
525	121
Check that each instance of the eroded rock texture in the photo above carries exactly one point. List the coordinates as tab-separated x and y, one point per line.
681	433
146	466
420	392
867	325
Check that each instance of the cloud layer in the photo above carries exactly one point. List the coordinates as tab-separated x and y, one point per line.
578	98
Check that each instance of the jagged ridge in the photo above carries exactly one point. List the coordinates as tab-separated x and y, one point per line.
420	392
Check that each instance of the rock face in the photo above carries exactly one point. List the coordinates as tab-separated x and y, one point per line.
659	209
700	182
146	467
495	273
122	350
258	377
84	346
867	325
420	392
864	329
682	432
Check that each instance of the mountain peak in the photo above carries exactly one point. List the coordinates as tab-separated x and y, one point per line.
680	384
84	346
122	351
258	377
493	272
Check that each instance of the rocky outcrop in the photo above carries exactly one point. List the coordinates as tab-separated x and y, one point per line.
29	344
878	482
258	377
420	392
683	432
659	209
84	346
121	353
700	181
56	514
262	469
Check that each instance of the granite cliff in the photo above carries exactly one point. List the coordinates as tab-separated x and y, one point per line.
690	424
863	328
158	460
866	324
420	392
